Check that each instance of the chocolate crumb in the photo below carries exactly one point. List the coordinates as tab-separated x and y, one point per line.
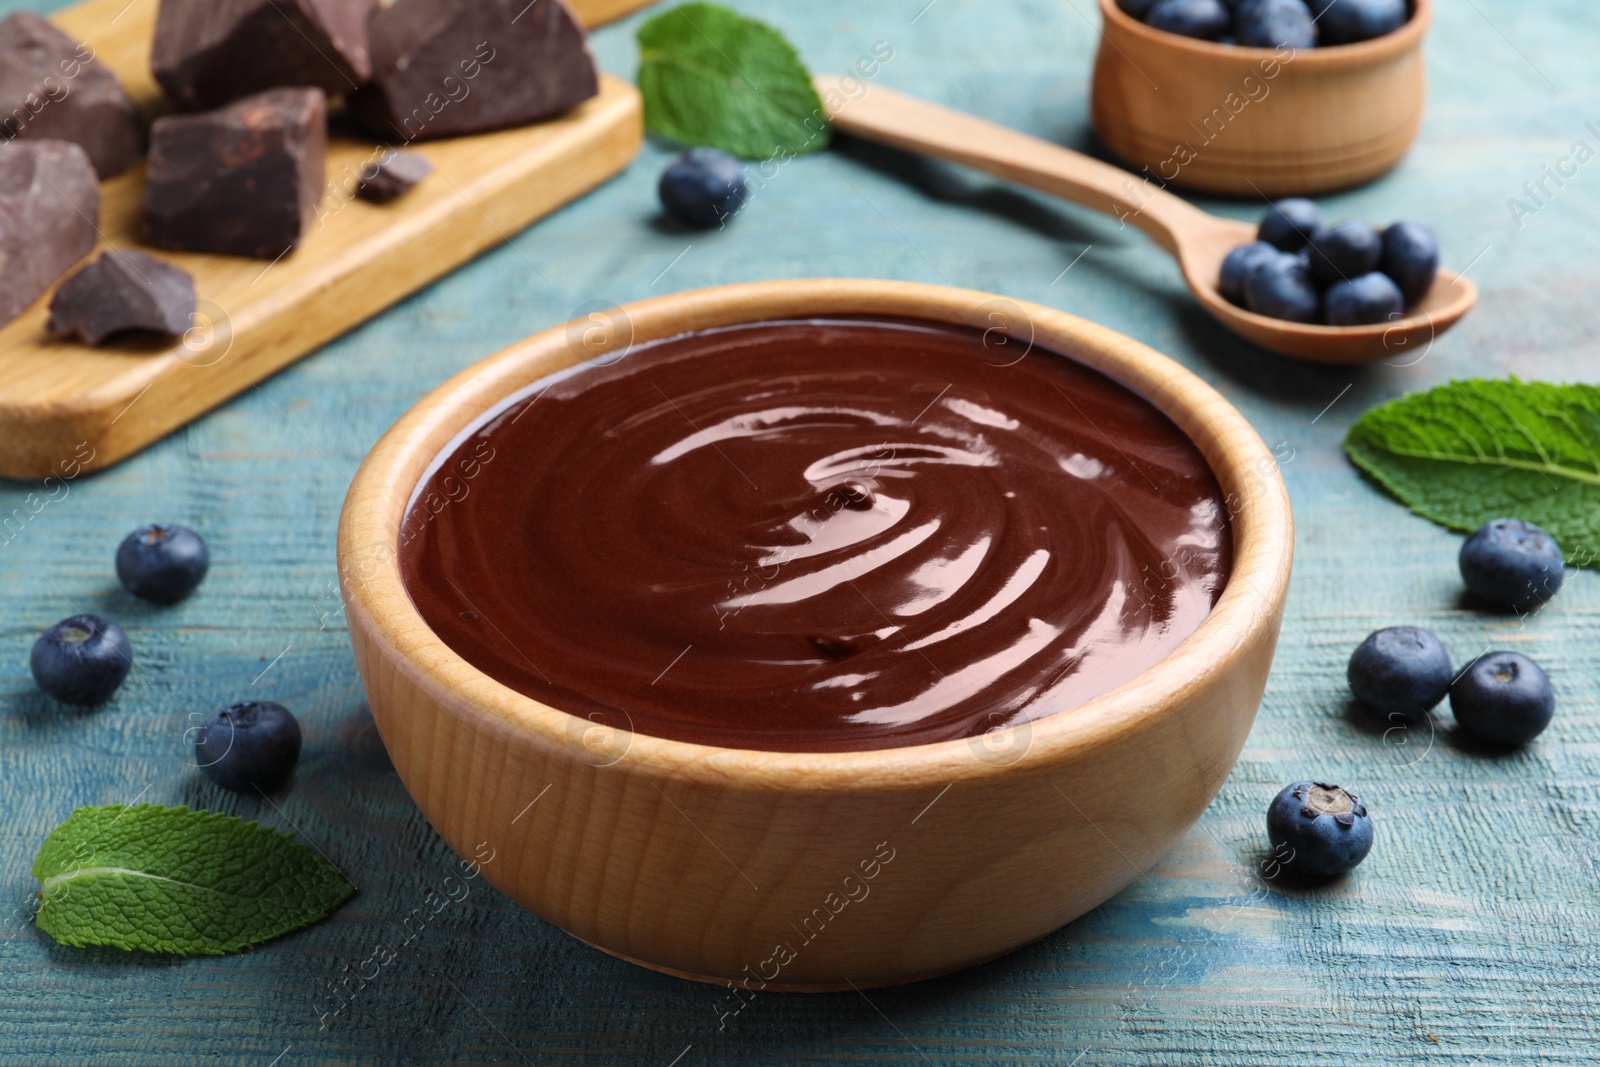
392	175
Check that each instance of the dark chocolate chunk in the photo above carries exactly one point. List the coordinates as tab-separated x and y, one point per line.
51	88
49	211
389	175
210	52
244	180
122	291
444	67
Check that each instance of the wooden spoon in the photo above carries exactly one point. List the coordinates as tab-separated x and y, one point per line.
1197	240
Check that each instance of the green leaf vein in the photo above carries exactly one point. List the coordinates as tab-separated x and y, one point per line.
710	76
1474	450
160	879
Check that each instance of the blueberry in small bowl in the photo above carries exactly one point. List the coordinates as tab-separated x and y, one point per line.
703	187
1346	251
162	562
1400	670
1504	698
81	659
1282	288
1411	258
1274	24
1290	224
1353	21
1364	300
1207	111
1318	829
251	745
1511	564
1271	23
1203	19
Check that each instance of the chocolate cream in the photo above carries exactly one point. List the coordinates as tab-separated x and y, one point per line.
818	535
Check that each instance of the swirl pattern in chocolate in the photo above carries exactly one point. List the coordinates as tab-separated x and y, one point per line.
818	535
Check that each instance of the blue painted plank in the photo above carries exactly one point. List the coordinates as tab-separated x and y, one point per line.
1468	936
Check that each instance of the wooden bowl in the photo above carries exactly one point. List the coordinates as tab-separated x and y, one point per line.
1257	121
810	870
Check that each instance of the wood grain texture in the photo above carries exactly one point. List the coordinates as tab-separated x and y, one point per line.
1256	121
1474	920
1198	241
799	837
60	401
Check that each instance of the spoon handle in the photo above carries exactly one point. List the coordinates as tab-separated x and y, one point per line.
901	121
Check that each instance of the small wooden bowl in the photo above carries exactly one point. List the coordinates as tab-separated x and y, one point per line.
1253	121
810	870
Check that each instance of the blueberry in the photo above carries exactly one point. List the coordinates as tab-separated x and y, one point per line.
1290	224
1503	697
1137	8
1402	670
1318	829
703	187
81	660
1275	23
1411	258
1205	19
1512	564
1350	21
253	744
1236	268
162	562
1363	301
1281	288
1345	251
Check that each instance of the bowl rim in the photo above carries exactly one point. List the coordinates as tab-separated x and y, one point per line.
1322	59
378	605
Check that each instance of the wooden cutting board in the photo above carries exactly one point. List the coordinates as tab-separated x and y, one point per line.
62	402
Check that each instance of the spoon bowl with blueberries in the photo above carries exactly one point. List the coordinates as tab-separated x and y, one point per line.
1345	293
1341	294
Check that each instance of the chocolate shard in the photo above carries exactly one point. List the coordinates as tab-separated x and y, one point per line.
391	174
445	67
49	214
122	291
244	180
51	88
210	52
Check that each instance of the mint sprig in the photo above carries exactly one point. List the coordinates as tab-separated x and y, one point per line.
1474	450
712	77
162	879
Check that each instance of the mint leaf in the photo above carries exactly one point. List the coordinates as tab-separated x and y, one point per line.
712	77
173	880
1474	450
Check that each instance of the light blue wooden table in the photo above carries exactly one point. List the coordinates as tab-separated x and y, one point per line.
1468	937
